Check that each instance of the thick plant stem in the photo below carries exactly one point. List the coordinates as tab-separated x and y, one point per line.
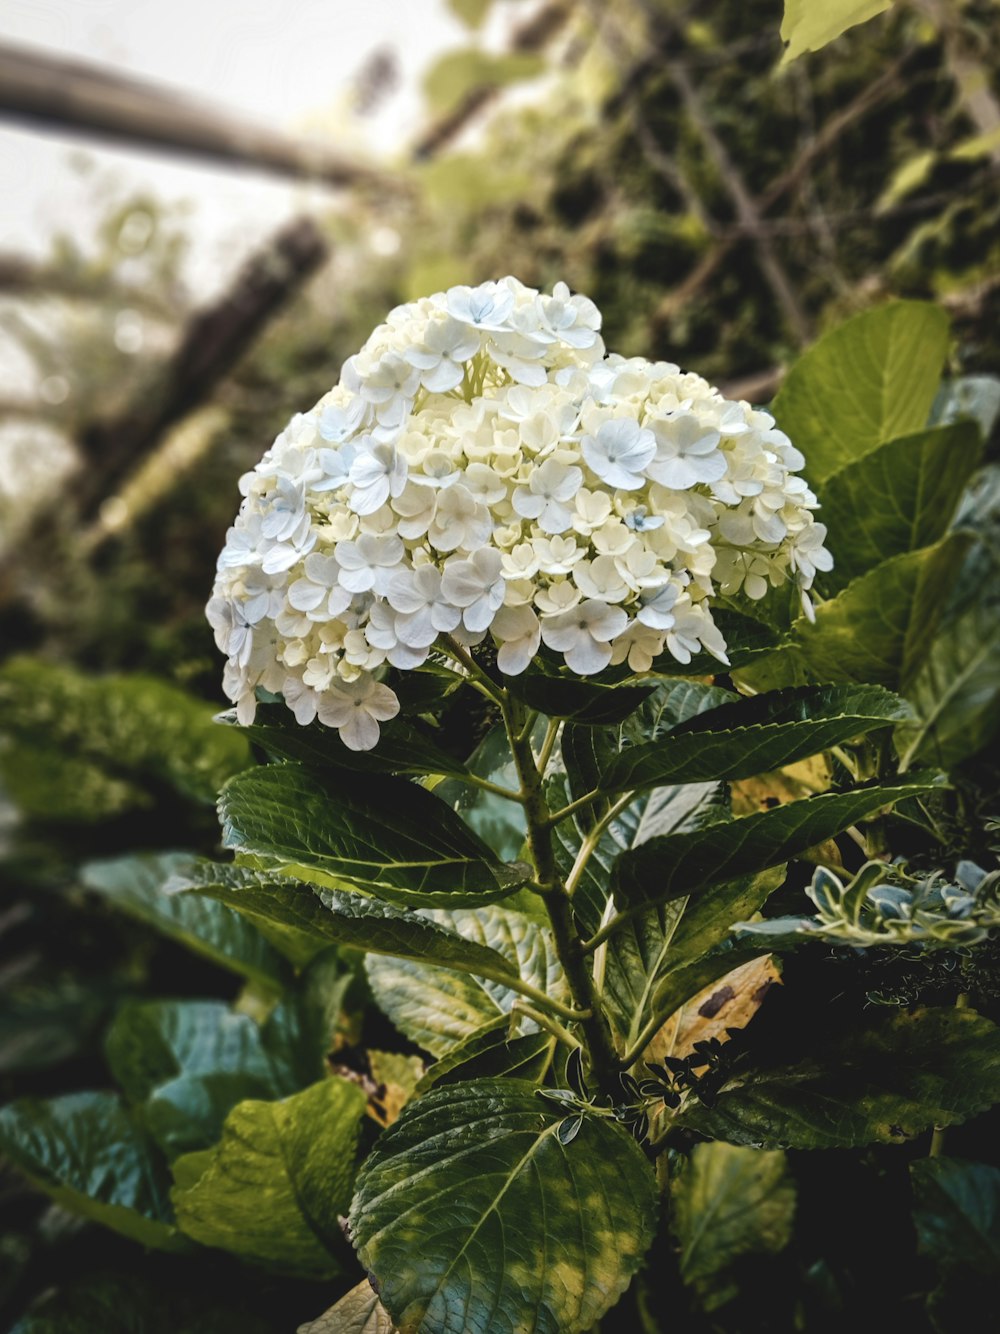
567	940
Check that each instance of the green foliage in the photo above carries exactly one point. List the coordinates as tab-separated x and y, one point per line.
438	1009
729	1202
808	25
272	1188
188	1063
457	75
325	915
895	1079
671	866
752	736
92	1156
886	906
480	1171
900	497
957	1213
868	381
137	885
384	835
88	748
491	1053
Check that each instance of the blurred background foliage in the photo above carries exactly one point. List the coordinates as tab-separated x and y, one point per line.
721	208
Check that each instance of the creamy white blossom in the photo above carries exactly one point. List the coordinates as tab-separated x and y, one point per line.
485	467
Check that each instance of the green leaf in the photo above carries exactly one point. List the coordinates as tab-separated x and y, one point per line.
90	1155
401	749
955	693
678	864
491	1053
471	1204
471	12
645	947
500	823
752	736
272	1188
729	1202
358	1312
107	744
956	1210
437	1009
190	1063
866	382
808	25
385	835
879	629
460	74
136	885
349	919
893	1080
587	703
900	497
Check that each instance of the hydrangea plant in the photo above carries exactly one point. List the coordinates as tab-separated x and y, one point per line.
599	565
484	467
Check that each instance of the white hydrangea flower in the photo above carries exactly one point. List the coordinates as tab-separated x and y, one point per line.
485	467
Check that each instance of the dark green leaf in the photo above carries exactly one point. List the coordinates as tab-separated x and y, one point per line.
136	885
754	735
646	945
957	1213
491	1053
90	1154
190	1063
747	639
401	749
272	1188
956	692
438	1009
729	1202
879	629
678	864
349	919
866	382
895	1079
385	835
900	497
588	703
471	1204
358	1312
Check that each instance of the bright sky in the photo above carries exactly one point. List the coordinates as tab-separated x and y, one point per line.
287	63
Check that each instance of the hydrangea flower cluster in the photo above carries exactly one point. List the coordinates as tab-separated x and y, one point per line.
484	467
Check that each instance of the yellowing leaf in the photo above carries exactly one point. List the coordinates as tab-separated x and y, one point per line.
809	24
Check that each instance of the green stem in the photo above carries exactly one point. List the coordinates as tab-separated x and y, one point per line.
508	793
590	843
567	941
546	1021
536	996
485	684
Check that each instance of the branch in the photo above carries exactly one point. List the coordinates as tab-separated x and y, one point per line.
712	260
82	98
